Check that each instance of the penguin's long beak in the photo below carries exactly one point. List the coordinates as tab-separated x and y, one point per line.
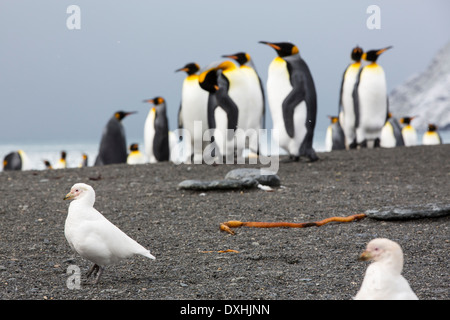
231	56
129	113
383	50
148	101
271	45
182	69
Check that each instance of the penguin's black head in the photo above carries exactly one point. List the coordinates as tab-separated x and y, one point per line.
47	164
190	68
119	115
241	57
208	80
373	55
333	119
134	147
283	49
156	101
63	155
432	127
406	120
357	53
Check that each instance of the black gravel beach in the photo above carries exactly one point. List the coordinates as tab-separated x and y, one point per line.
197	261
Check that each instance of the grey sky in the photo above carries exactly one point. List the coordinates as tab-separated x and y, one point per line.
63	84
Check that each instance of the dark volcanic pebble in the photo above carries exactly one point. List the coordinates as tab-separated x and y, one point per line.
181	228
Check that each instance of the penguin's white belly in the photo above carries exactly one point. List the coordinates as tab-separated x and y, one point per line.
278	87
347	118
430	138
224	145
329	138
387	137
409	136
372	106
149	135
194	109
194	116
254	99
255	103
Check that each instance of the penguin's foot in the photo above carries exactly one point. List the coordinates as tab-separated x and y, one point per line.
353	145
311	154
290	159
376	143
363	144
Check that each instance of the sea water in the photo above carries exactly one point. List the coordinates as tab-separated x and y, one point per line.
38	151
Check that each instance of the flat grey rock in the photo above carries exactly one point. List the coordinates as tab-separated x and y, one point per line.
430	210
217	184
263	176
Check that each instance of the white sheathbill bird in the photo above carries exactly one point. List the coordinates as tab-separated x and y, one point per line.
383	279
93	236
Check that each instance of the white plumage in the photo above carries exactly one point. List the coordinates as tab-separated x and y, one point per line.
193	115
92	236
383	279
278	87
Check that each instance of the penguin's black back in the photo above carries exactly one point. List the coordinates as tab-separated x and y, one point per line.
12	161
113	146
161	138
303	90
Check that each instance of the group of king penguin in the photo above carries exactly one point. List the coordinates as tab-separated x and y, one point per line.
228	98
364	119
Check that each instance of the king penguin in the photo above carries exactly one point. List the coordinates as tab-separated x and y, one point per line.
61	163
334	138
192	115
291	94
48	165
113	145
346	105
135	156
371	101
227	106
84	161
391	134
256	98
156	131
431	136
409	133
16	160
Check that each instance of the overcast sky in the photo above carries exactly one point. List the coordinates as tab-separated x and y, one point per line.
63	84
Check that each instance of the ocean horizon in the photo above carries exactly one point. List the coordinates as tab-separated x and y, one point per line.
50	150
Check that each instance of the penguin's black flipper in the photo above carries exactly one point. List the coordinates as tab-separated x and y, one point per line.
296	96
227	103
338	137
212	105
356	99
161	146
341	91
180	119
263	124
